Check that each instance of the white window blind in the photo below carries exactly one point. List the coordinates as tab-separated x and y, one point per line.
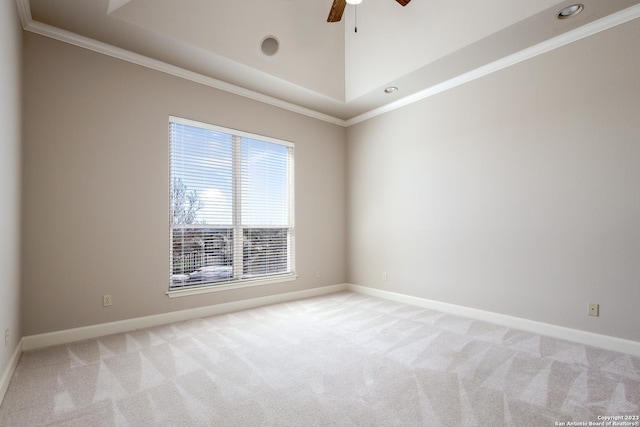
231	205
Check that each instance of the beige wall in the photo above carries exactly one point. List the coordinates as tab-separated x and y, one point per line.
96	177
518	193
10	123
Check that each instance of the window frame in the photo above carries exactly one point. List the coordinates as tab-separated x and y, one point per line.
236	281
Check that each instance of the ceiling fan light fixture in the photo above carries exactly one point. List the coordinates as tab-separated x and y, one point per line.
570	11
338	6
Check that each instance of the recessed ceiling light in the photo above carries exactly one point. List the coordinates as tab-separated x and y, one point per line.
570	11
354	1
391	89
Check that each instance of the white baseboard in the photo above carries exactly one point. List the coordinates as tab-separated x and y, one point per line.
589	338
10	369
62	337
94	331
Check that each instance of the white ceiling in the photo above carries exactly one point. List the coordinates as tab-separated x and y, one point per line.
321	67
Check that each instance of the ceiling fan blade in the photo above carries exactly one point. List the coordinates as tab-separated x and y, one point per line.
403	2
337	9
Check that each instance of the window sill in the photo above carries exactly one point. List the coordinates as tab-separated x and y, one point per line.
176	293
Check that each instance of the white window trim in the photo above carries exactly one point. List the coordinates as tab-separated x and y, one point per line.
239	284
205	289
221	129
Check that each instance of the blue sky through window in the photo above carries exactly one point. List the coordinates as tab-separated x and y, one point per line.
203	160
264	183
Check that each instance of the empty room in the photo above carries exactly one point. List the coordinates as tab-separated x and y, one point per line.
320	212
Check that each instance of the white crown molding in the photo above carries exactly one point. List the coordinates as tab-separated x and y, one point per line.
574	35
28	24
583	337
24	9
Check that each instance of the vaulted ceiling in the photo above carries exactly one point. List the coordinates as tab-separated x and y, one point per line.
324	69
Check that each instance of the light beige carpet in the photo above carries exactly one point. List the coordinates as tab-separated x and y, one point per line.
339	360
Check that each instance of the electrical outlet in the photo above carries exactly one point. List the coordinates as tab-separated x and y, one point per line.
6	337
384	276
317	274
106	300
594	309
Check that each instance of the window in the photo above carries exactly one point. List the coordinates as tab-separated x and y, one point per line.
231	206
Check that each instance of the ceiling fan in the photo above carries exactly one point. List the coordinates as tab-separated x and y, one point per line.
337	8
